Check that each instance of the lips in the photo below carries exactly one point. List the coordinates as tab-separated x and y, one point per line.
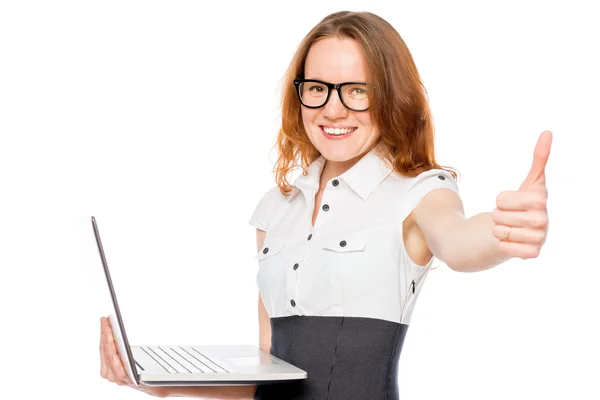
338	130
337	133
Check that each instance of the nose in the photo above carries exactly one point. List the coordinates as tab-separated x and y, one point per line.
334	108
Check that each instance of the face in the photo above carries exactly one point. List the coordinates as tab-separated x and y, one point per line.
336	60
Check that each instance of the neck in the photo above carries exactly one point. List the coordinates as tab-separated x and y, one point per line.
335	168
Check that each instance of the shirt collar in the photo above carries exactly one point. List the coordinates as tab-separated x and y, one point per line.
363	177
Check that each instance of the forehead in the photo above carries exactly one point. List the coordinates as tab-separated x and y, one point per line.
335	60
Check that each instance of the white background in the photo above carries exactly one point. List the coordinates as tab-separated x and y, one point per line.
141	114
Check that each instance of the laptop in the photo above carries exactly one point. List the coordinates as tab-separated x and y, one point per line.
176	365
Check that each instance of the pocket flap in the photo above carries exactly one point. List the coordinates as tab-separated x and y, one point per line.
271	247
343	243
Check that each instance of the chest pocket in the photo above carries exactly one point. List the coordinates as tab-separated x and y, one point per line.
271	247
345	243
349	259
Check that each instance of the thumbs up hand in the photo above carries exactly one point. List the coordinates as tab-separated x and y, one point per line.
521	218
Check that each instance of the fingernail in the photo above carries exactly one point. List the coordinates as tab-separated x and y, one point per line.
115	358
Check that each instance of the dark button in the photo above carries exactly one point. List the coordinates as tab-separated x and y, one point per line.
441	177
296	266
266	250
335	182
343	243
309	236
325	207
293	303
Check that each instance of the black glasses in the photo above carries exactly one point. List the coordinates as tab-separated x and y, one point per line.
315	94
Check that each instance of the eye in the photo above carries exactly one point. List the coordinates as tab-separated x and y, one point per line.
314	89
357	91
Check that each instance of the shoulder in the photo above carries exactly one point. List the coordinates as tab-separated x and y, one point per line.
427	181
428	189
416	186
434	195
273	195
263	211
434	177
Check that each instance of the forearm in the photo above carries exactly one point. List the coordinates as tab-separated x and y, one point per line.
470	245
212	392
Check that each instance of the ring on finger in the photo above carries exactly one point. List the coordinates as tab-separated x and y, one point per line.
507	233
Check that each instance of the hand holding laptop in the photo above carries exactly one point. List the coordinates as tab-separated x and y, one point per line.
217	372
111	367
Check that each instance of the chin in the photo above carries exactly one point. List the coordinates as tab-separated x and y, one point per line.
338	154
342	150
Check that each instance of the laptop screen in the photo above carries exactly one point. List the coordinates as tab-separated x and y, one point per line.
117	324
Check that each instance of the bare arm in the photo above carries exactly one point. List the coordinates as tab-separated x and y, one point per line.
465	245
482	241
264	323
212	392
208	392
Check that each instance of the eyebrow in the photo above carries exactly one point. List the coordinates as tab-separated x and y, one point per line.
324	80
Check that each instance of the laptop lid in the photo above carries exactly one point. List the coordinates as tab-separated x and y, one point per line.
117	324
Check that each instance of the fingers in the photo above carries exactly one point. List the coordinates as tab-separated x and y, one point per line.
121	377
110	351
103	366
541	153
111	366
522	200
519	235
522	219
521	250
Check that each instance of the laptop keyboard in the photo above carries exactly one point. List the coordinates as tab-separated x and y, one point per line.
182	360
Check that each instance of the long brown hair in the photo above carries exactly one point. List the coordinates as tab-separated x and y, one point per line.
399	108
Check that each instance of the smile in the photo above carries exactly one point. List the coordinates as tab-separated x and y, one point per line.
336	133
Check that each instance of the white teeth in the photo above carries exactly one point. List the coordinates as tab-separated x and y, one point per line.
338	131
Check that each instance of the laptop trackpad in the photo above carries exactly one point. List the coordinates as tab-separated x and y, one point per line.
252	361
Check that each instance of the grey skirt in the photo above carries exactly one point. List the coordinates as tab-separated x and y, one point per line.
346	358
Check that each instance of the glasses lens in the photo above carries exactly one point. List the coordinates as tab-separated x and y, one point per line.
355	96
313	94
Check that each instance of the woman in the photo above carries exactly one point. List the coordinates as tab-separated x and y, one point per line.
344	252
